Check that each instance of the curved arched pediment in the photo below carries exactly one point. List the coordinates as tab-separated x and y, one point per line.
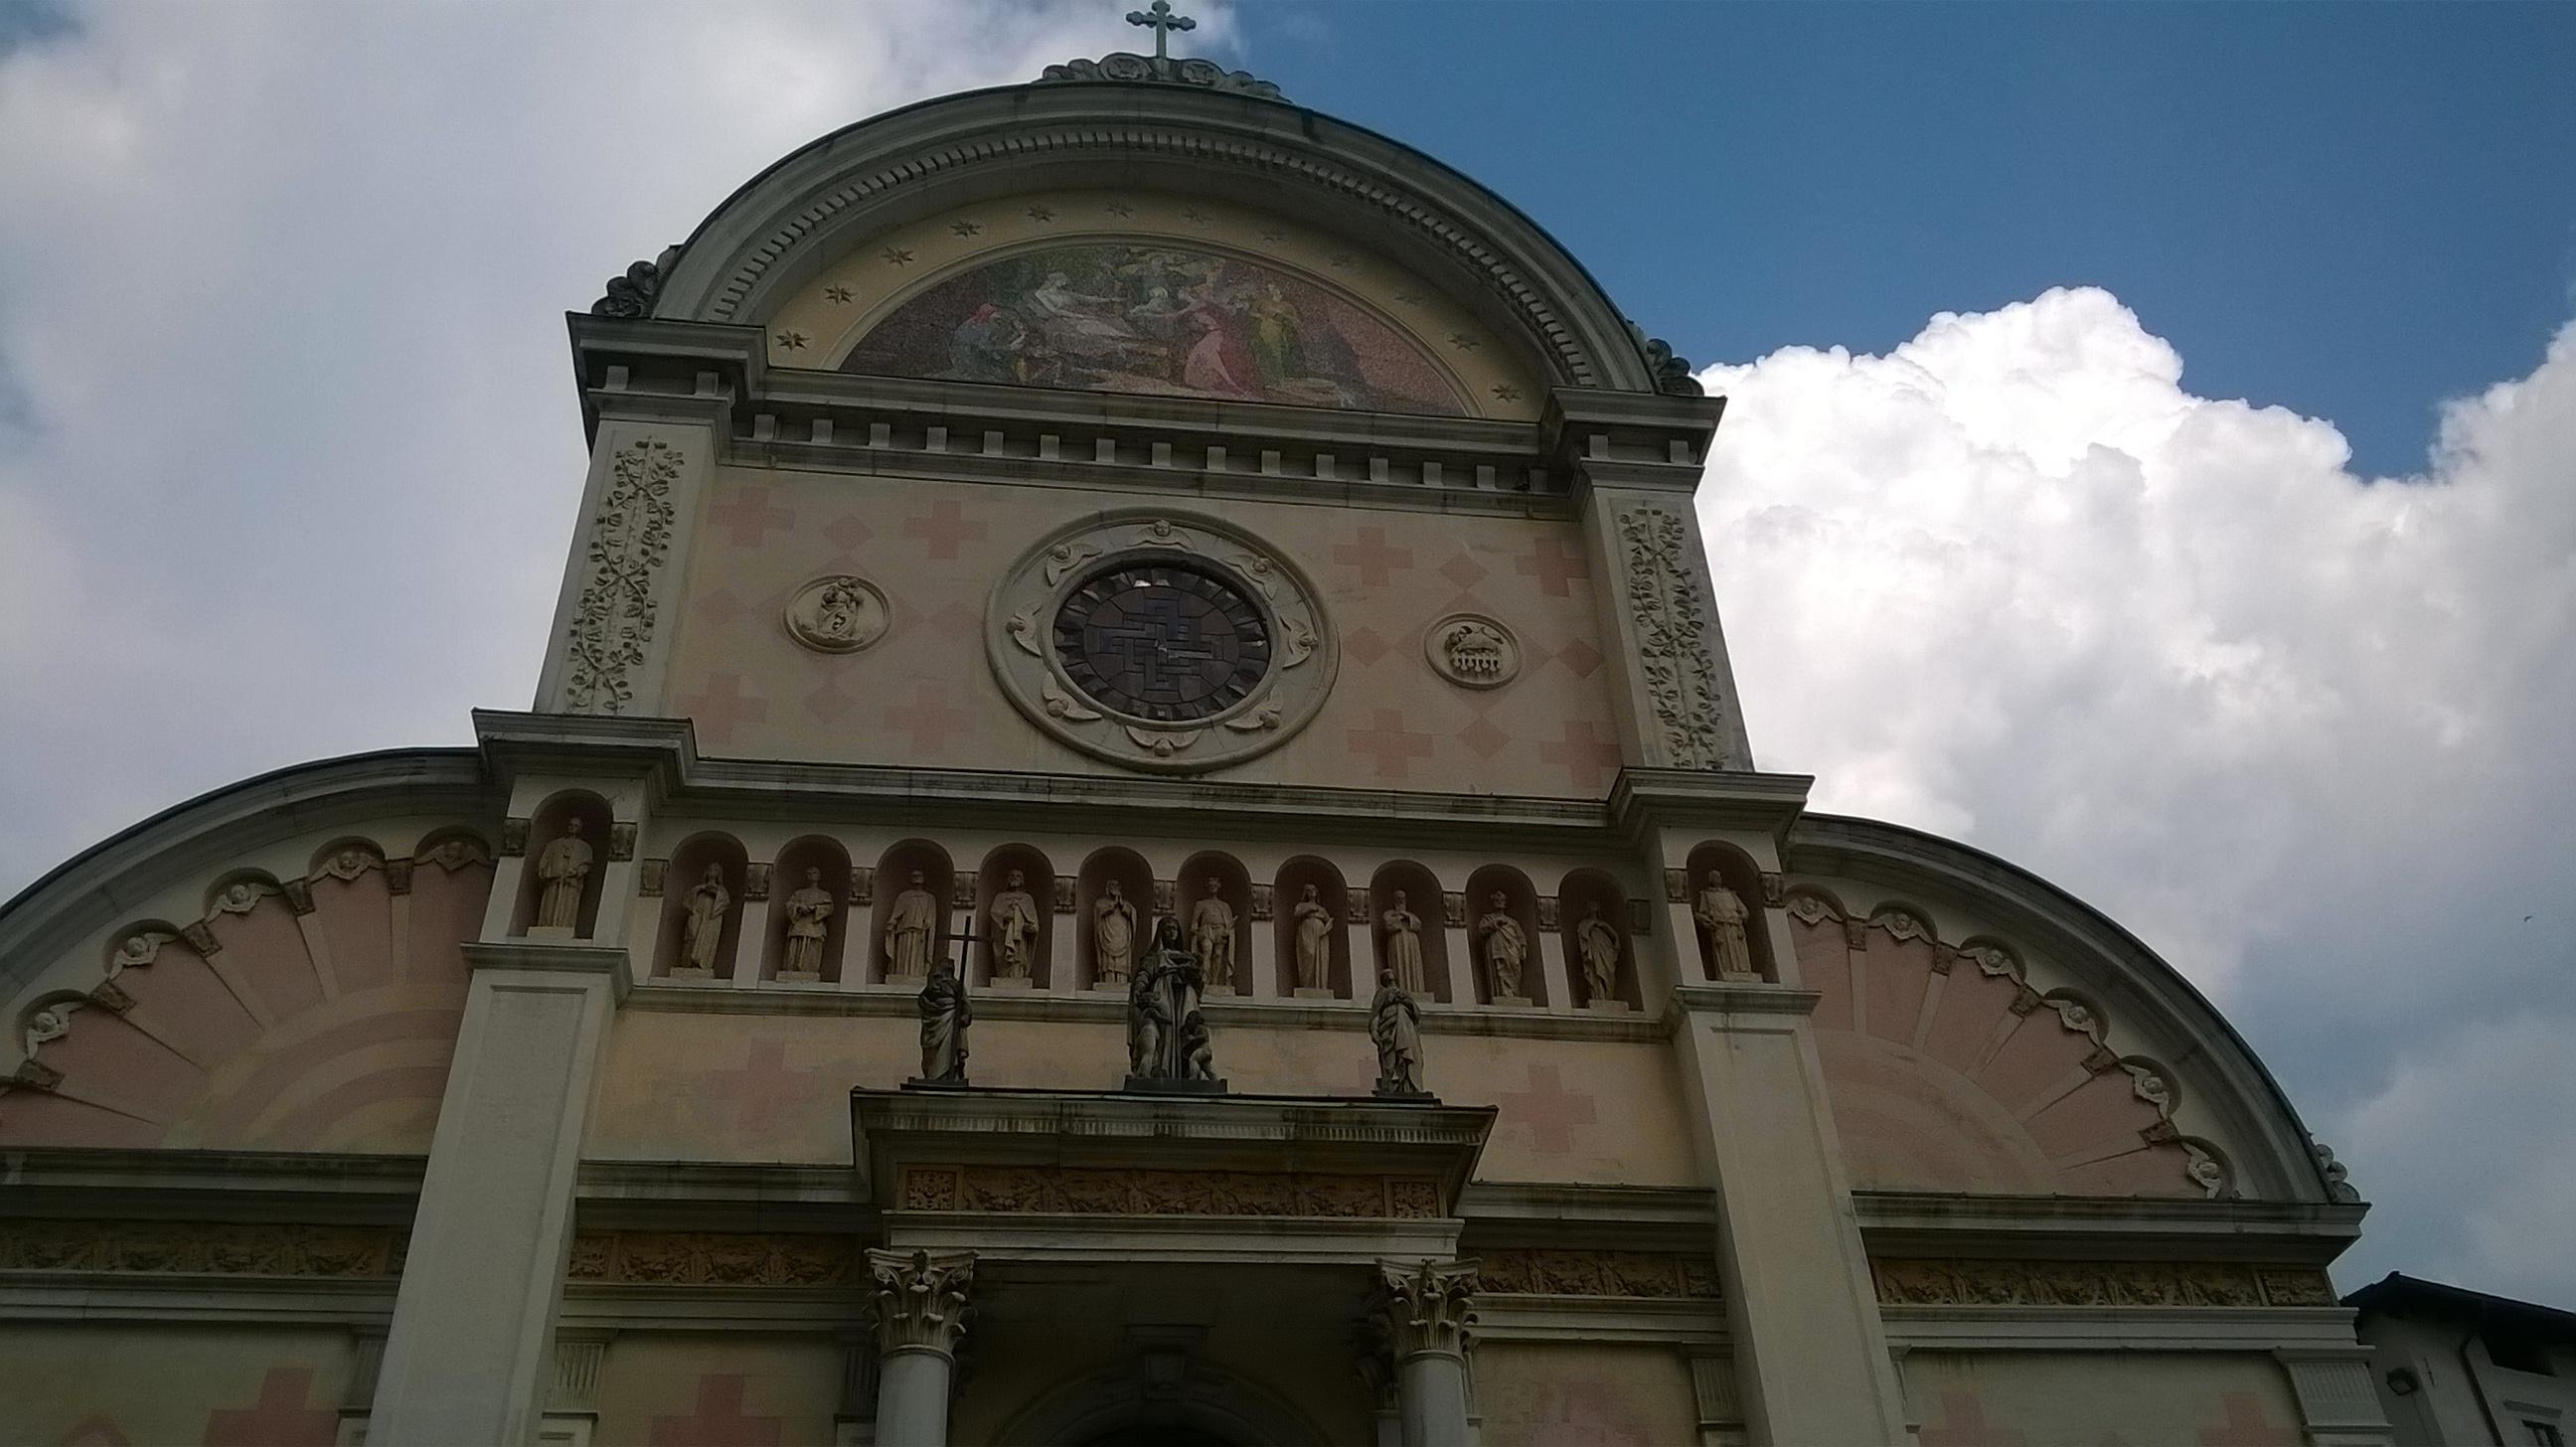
1982	1032
987	159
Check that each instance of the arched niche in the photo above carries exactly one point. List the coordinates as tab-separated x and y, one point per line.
1586	894
690	864
828	865
1134	879
896	872
1037	880
1520	902
1213	872
1402	883
1295	876
1736	869
574	811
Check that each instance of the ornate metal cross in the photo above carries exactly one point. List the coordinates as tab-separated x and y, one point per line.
1160	18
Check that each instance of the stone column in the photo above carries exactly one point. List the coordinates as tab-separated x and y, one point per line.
1426	1310
468	1355
920	1312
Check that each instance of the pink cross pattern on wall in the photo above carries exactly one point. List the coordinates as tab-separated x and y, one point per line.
848	533
1394	746
929	718
748	518
943	528
1554	567
764	1088
717	1419
2245	1426
1464	572
1372	556
718	606
280	1419
1548	1111
1964	1424
1589	757
721	707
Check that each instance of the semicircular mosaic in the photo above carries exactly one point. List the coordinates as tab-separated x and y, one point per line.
1165	320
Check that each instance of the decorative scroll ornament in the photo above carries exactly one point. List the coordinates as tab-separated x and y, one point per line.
1672	643
1672	372
1429	1307
633	294
1145	69
839	613
1472	651
2338	1181
920	1301
1161	641
629	541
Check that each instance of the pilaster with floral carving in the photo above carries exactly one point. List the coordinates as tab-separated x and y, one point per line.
1671	631
630	540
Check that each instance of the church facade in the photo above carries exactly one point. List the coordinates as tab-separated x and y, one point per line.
1136	829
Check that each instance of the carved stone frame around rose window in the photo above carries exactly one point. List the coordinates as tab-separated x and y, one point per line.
1019	623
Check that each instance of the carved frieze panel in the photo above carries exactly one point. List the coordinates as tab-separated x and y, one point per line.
714	1258
839	613
1161	641
1067	1190
649	880
863	884
2097	1283
1641	1274
212	1248
1671	626
630	540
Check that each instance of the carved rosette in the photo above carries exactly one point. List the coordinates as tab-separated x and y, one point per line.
920	1301
1672	628
1427	1307
630	539
1020	626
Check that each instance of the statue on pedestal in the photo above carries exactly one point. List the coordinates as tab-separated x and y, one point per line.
1113	936
909	927
1167	1036
702	928
1314	936
1506	949
1404	944
562	869
1015	929
1212	937
1722	915
944	1018
1395	1023
809	920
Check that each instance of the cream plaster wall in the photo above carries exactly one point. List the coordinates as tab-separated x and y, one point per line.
925	694
1993	1399
225	1386
683	1389
1561	1394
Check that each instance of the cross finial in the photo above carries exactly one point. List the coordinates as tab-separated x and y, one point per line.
1162	21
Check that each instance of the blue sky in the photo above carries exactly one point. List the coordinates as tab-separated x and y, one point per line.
2354	211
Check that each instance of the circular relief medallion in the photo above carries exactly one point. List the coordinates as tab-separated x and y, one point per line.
838	614
1472	651
1160	641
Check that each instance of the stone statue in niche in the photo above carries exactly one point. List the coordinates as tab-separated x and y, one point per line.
1113	935
1212	937
909	927
1597	941
1395	1023
561	871
809	922
1506	949
1015	928
1313	933
944	1018
1404	944
702	921
1721	915
1167	1035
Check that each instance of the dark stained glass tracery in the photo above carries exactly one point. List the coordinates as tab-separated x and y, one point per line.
1164	642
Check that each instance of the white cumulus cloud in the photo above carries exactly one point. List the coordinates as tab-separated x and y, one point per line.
2303	731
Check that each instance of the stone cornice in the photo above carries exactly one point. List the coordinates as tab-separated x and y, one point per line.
556	957
2034	1228
1643	800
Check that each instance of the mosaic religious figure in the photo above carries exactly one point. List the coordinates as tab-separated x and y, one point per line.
1015	928
561	871
1506	948
945	1015
1721	915
1113	935
909	927
809	921
1404	944
1597	941
702	920
1167	1035
1170	320
1212	937
1395	1023
1313	932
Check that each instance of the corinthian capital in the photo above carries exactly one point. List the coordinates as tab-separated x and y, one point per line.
1427	1307
921	1298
